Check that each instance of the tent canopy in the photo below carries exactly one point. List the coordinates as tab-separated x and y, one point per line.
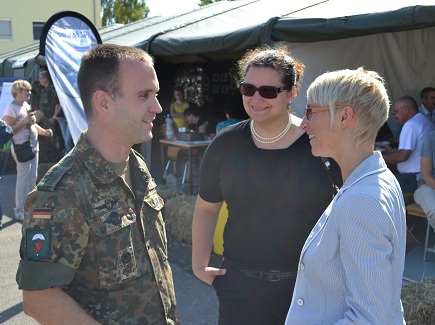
250	23
392	37
225	29
338	19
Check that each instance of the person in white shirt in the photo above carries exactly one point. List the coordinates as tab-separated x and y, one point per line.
427	107
407	155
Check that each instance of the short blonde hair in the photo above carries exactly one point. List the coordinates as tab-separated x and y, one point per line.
19	85
361	89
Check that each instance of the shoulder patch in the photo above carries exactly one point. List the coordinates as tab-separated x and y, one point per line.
38	243
42	213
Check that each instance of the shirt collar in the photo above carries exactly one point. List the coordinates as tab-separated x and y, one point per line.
371	165
100	168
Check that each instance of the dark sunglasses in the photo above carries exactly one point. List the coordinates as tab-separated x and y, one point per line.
267	92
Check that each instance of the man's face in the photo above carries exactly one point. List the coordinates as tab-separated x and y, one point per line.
189	119
43	80
429	101
400	111
134	112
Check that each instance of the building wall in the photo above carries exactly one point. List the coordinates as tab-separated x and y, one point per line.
23	13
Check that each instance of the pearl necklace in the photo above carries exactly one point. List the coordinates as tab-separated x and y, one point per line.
274	139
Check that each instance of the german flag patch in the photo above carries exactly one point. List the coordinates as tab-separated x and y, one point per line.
42	213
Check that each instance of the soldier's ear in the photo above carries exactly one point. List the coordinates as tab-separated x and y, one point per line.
101	100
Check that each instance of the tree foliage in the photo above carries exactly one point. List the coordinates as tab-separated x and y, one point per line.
207	2
123	11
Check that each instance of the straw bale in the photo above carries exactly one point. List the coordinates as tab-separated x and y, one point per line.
418	301
168	191
178	215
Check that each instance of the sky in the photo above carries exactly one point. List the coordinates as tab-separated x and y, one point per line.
170	7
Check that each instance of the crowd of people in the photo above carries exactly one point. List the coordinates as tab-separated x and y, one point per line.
306	242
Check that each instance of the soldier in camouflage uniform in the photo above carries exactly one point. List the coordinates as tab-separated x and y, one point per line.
94	244
48	101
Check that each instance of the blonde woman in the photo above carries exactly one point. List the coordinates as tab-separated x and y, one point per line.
350	269
23	122
178	106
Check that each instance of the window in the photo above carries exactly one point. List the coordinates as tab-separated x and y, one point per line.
5	29
37	29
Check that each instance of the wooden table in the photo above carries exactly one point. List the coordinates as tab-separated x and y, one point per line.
189	145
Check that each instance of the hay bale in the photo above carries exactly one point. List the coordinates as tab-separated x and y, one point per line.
418	301
168	191
178	215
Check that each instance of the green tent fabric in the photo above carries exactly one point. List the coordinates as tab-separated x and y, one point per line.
228	33
338	19
252	23
225	29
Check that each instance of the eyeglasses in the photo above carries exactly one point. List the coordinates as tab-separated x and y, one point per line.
267	92
396	111
26	89
310	110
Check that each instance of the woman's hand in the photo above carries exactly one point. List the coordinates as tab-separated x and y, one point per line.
48	132
208	274
52	120
30	119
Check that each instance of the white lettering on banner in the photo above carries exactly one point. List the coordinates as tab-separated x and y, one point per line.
72	34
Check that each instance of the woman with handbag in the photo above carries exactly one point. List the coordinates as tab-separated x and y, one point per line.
24	142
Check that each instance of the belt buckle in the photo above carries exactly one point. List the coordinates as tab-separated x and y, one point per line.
273	275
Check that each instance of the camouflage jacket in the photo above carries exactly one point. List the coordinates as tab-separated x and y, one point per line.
48	100
105	244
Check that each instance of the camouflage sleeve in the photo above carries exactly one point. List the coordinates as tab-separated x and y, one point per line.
54	240
52	97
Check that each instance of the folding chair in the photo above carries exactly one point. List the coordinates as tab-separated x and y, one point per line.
415	210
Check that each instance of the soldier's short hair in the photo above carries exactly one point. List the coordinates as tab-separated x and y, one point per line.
99	70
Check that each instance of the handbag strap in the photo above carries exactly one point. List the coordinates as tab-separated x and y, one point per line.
30	133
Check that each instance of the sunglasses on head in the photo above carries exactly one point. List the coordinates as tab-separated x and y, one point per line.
267	92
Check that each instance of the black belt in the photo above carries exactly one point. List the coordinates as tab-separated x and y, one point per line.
269	275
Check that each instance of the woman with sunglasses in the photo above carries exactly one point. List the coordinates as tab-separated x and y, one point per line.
275	190
21	118
351	266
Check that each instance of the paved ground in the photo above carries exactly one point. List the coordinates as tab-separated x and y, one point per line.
197	302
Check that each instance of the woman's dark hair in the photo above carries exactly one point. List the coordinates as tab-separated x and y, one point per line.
191	110
277	58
